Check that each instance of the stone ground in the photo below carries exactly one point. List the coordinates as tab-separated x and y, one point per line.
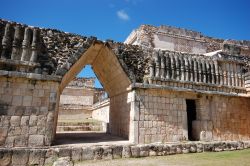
229	158
77	138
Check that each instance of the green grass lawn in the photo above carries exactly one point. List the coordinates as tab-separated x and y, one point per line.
230	158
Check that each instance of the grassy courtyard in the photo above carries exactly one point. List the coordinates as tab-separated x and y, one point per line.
231	158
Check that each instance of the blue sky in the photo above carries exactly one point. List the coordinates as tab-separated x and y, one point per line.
115	19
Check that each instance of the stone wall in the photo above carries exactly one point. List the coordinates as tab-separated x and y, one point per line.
27	111
120	107
180	39
73	155
100	111
162	116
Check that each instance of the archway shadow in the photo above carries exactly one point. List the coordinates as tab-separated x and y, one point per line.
95	137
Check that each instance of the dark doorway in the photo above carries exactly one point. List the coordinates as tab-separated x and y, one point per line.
191	116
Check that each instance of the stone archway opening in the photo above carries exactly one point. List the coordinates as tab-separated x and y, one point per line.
115	85
84	104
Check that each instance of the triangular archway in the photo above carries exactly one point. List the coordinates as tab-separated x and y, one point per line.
115	81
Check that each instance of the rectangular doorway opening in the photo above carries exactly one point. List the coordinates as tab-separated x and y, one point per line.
191	116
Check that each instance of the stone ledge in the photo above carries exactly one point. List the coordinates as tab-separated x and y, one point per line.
32	76
17	62
48	155
181	89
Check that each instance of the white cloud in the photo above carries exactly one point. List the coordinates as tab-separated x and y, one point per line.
123	15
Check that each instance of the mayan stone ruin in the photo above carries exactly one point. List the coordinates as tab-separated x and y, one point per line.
165	84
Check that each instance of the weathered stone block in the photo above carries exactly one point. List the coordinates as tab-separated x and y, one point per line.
208	147
144	150
126	152
87	153
98	152
135	151
17	100
53	97
199	147
33	130
20	157
15	120
172	149
36	140
13	131
37	156
27	100
5	157
33	120
65	152
63	161
166	150
51	156
107	153
25	120
76	154
21	141
9	142
3	134
117	152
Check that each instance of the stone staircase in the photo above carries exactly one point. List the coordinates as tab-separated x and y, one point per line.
79	126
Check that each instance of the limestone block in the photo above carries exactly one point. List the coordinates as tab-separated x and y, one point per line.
53	97
20	157
144	150
33	120
63	161
5	157
206	136
165	149
25	130
107	153
37	157
87	153
21	141
3	134
208	147
117	152
76	154
199	147
44	109
25	120
155	150
36	101
15	120
36	140
65	152
126	152
41	121
33	130
13	131
50	117
172	149
51	156
135	151
41	129
17	100
9	142
98	152
27	100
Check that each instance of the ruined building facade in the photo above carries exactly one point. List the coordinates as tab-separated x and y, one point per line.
157	93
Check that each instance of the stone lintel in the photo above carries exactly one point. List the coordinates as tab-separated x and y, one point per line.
181	89
32	76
